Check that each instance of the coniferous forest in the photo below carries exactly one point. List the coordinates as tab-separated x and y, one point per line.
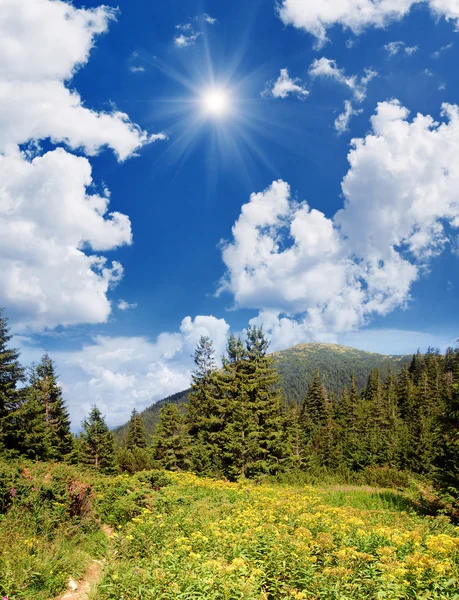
237	423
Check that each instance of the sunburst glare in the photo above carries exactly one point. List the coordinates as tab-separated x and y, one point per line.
216	102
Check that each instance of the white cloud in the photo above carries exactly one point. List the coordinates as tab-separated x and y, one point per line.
410	50
284	86
438	53
183	41
37	110
312	277
122	373
49	223
341	123
325	67
394	48
135	69
52	227
124	305
357	15
42	44
208	19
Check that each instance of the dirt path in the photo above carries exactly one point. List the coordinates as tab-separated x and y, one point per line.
80	590
85	585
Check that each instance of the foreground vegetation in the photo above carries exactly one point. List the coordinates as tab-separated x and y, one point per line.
178	536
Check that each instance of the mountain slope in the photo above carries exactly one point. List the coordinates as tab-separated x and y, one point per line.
296	366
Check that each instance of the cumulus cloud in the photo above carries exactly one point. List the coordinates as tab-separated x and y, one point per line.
312	277
120	373
357	15
42	44
394	48
325	67
53	229
285	86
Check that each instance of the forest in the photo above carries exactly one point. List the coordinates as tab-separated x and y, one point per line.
242	492
238	424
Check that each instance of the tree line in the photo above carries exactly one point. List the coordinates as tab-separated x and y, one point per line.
237	423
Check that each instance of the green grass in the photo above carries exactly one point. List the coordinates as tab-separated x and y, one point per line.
179	537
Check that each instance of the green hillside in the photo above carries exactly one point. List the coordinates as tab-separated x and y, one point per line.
296	366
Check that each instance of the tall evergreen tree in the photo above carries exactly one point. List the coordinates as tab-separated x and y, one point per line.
11	396
98	447
136	436
172	442
264	404
204	411
45	388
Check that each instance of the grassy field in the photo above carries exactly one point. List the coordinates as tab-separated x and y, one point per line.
180	537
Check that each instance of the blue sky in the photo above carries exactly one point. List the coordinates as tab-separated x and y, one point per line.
135	219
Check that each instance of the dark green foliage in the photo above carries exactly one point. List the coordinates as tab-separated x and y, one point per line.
251	440
98	448
11	396
45	392
151	416
133	455
296	367
204	416
172	443
136	436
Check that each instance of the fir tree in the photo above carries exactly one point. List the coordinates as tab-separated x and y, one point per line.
11	397
47	391
172	443
136	436
98	448
265	444
203	415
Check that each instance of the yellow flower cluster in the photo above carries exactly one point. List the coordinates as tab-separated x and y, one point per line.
202	538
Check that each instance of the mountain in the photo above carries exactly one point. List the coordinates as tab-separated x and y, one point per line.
296	366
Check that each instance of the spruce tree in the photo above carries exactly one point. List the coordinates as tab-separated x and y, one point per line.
136	435
98	447
34	439
172	443
313	419
266	445
11	396
133	454
204	411
238	423
45	388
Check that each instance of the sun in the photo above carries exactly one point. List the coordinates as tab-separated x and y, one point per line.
216	102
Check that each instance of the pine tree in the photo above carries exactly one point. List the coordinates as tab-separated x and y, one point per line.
238	423
172	443
312	420
11	397
98	447
347	421
447	460
136	435
34	439
266	444
204	410
47	391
